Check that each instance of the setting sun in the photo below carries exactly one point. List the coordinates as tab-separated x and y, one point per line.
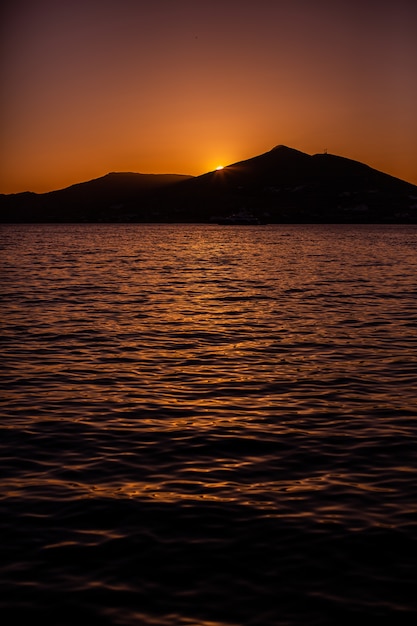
219	167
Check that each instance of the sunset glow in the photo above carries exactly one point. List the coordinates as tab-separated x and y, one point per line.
94	86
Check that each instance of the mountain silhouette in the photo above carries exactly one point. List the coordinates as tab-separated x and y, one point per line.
282	185
87	201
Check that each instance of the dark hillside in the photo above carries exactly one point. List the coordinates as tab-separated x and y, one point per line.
282	185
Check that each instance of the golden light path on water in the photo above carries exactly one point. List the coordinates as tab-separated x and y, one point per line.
195	412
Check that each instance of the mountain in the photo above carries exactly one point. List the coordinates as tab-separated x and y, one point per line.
93	200
282	185
286	185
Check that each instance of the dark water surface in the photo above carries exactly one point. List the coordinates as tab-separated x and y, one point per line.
206	425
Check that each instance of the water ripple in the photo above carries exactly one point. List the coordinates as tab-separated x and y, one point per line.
208	425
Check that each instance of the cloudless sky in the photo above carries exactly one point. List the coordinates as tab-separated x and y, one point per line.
182	86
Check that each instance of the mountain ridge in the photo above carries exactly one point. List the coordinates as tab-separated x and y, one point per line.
280	185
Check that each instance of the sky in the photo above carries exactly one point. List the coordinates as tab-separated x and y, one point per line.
182	86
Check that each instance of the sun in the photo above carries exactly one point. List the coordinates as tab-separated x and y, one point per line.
219	167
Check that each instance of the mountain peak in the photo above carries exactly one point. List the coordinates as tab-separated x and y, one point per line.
281	148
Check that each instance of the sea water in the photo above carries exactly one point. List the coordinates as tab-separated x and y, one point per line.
208	425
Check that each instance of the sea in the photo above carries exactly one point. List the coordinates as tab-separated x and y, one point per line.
207	425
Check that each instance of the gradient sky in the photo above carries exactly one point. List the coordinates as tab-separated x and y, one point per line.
181	86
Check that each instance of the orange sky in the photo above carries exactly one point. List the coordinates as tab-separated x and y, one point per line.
181	86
